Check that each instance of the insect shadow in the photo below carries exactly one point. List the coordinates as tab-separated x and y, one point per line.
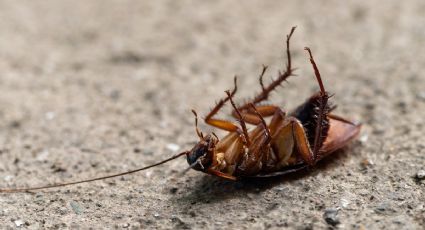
209	189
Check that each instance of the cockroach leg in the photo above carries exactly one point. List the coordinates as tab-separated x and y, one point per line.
316	71
288	133
276	120
254	160
301	141
240	119
338	118
264	95
263	123
220	174
261	138
250	116
263	71
218	123
322	112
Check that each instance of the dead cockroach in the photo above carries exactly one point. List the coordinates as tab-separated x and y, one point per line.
287	144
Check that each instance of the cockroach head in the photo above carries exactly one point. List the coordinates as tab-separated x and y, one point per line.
200	157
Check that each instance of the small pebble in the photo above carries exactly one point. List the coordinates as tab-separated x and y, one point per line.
148	152
148	174
50	115
383	208
331	216
173	190
364	138
180	224
420	175
421	96
15	124
43	155
3	212
8	177
344	202
136	150
62	210
366	163
115	94
18	223
173	147
76	207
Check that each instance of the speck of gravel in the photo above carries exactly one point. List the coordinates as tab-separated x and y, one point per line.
173	147
420	175
174	190
180	224
331	216
421	95
50	115
364	138
136	150
18	222
383	208
8	177
76	207
344	202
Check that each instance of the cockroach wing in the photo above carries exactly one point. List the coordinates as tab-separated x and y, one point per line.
340	132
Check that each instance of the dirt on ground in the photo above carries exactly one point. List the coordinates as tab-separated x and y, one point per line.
89	88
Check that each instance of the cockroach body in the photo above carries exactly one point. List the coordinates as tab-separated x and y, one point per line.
288	143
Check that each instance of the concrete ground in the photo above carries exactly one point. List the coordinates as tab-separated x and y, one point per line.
89	88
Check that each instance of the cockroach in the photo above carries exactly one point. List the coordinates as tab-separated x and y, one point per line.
287	144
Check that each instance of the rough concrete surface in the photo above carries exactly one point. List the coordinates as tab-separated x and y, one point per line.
89	88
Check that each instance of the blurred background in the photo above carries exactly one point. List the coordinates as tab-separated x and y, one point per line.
95	87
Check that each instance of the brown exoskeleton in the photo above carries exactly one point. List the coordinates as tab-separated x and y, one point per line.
288	143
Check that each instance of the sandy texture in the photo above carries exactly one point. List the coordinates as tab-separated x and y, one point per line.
95	87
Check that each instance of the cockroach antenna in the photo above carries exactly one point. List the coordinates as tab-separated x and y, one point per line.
10	190
198	132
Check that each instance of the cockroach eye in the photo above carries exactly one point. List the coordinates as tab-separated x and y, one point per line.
197	152
200	157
